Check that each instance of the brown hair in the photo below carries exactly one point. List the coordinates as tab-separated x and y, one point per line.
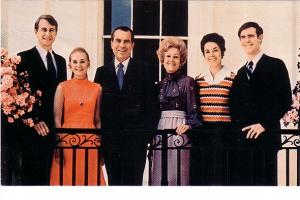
49	18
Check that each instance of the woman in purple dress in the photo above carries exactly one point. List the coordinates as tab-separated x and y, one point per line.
178	111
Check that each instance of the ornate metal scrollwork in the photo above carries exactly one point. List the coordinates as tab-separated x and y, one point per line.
174	141
77	140
291	141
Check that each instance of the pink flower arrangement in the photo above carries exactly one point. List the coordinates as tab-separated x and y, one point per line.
17	99
292	116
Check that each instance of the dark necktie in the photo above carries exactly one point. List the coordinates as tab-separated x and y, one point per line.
120	75
249	69
50	65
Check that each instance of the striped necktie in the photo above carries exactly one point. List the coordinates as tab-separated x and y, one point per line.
249	68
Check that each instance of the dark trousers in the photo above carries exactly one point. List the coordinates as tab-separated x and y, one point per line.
255	165
211	156
36	158
10	154
124	156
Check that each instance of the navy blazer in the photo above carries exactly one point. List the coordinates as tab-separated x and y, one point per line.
134	106
32	62
264	99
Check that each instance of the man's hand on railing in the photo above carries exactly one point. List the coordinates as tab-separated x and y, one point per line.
182	128
254	130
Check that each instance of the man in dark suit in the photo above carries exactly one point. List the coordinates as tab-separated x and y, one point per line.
260	96
127	110
46	70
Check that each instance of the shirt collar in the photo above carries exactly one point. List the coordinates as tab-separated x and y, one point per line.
255	59
43	52
125	64
220	75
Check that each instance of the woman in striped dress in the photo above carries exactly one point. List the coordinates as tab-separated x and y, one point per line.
209	157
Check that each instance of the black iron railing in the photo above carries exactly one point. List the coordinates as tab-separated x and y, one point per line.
72	140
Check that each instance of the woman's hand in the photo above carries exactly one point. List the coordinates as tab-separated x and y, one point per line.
182	128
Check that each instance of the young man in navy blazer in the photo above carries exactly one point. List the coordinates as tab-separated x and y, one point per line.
127	110
46	70
260	96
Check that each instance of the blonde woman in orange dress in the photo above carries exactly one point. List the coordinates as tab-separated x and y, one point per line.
77	105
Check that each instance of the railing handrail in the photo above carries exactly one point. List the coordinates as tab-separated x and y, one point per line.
148	131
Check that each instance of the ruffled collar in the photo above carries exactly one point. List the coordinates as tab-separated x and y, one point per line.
170	86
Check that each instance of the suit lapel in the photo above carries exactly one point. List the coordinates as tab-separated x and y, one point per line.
38	62
38	69
59	65
113	76
129	73
259	65
244	73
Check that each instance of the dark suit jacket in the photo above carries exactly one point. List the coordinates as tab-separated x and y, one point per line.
133	107
263	99
39	80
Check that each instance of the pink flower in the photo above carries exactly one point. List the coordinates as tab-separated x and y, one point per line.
6	71
26	85
16	116
6	99
15	59
32	99
13	91
25	94
10	120
17	98
29	109
5	63
21	112
39	93
6	82
6	110
20	100
29	122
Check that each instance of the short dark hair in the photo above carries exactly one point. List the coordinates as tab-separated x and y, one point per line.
122	28
216	38
259	30
49	18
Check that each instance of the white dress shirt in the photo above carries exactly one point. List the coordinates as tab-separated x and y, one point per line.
125	65
43	53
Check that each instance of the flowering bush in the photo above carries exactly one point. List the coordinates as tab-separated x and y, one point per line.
292	116
17	98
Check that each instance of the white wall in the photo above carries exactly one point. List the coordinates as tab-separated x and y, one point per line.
279	19
79	24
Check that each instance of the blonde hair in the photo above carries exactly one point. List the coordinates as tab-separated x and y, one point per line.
172	42
79	49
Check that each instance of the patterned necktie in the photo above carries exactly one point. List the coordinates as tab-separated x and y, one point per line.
120	75
50	65
249	69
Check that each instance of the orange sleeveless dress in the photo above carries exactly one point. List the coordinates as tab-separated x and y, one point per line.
80	97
